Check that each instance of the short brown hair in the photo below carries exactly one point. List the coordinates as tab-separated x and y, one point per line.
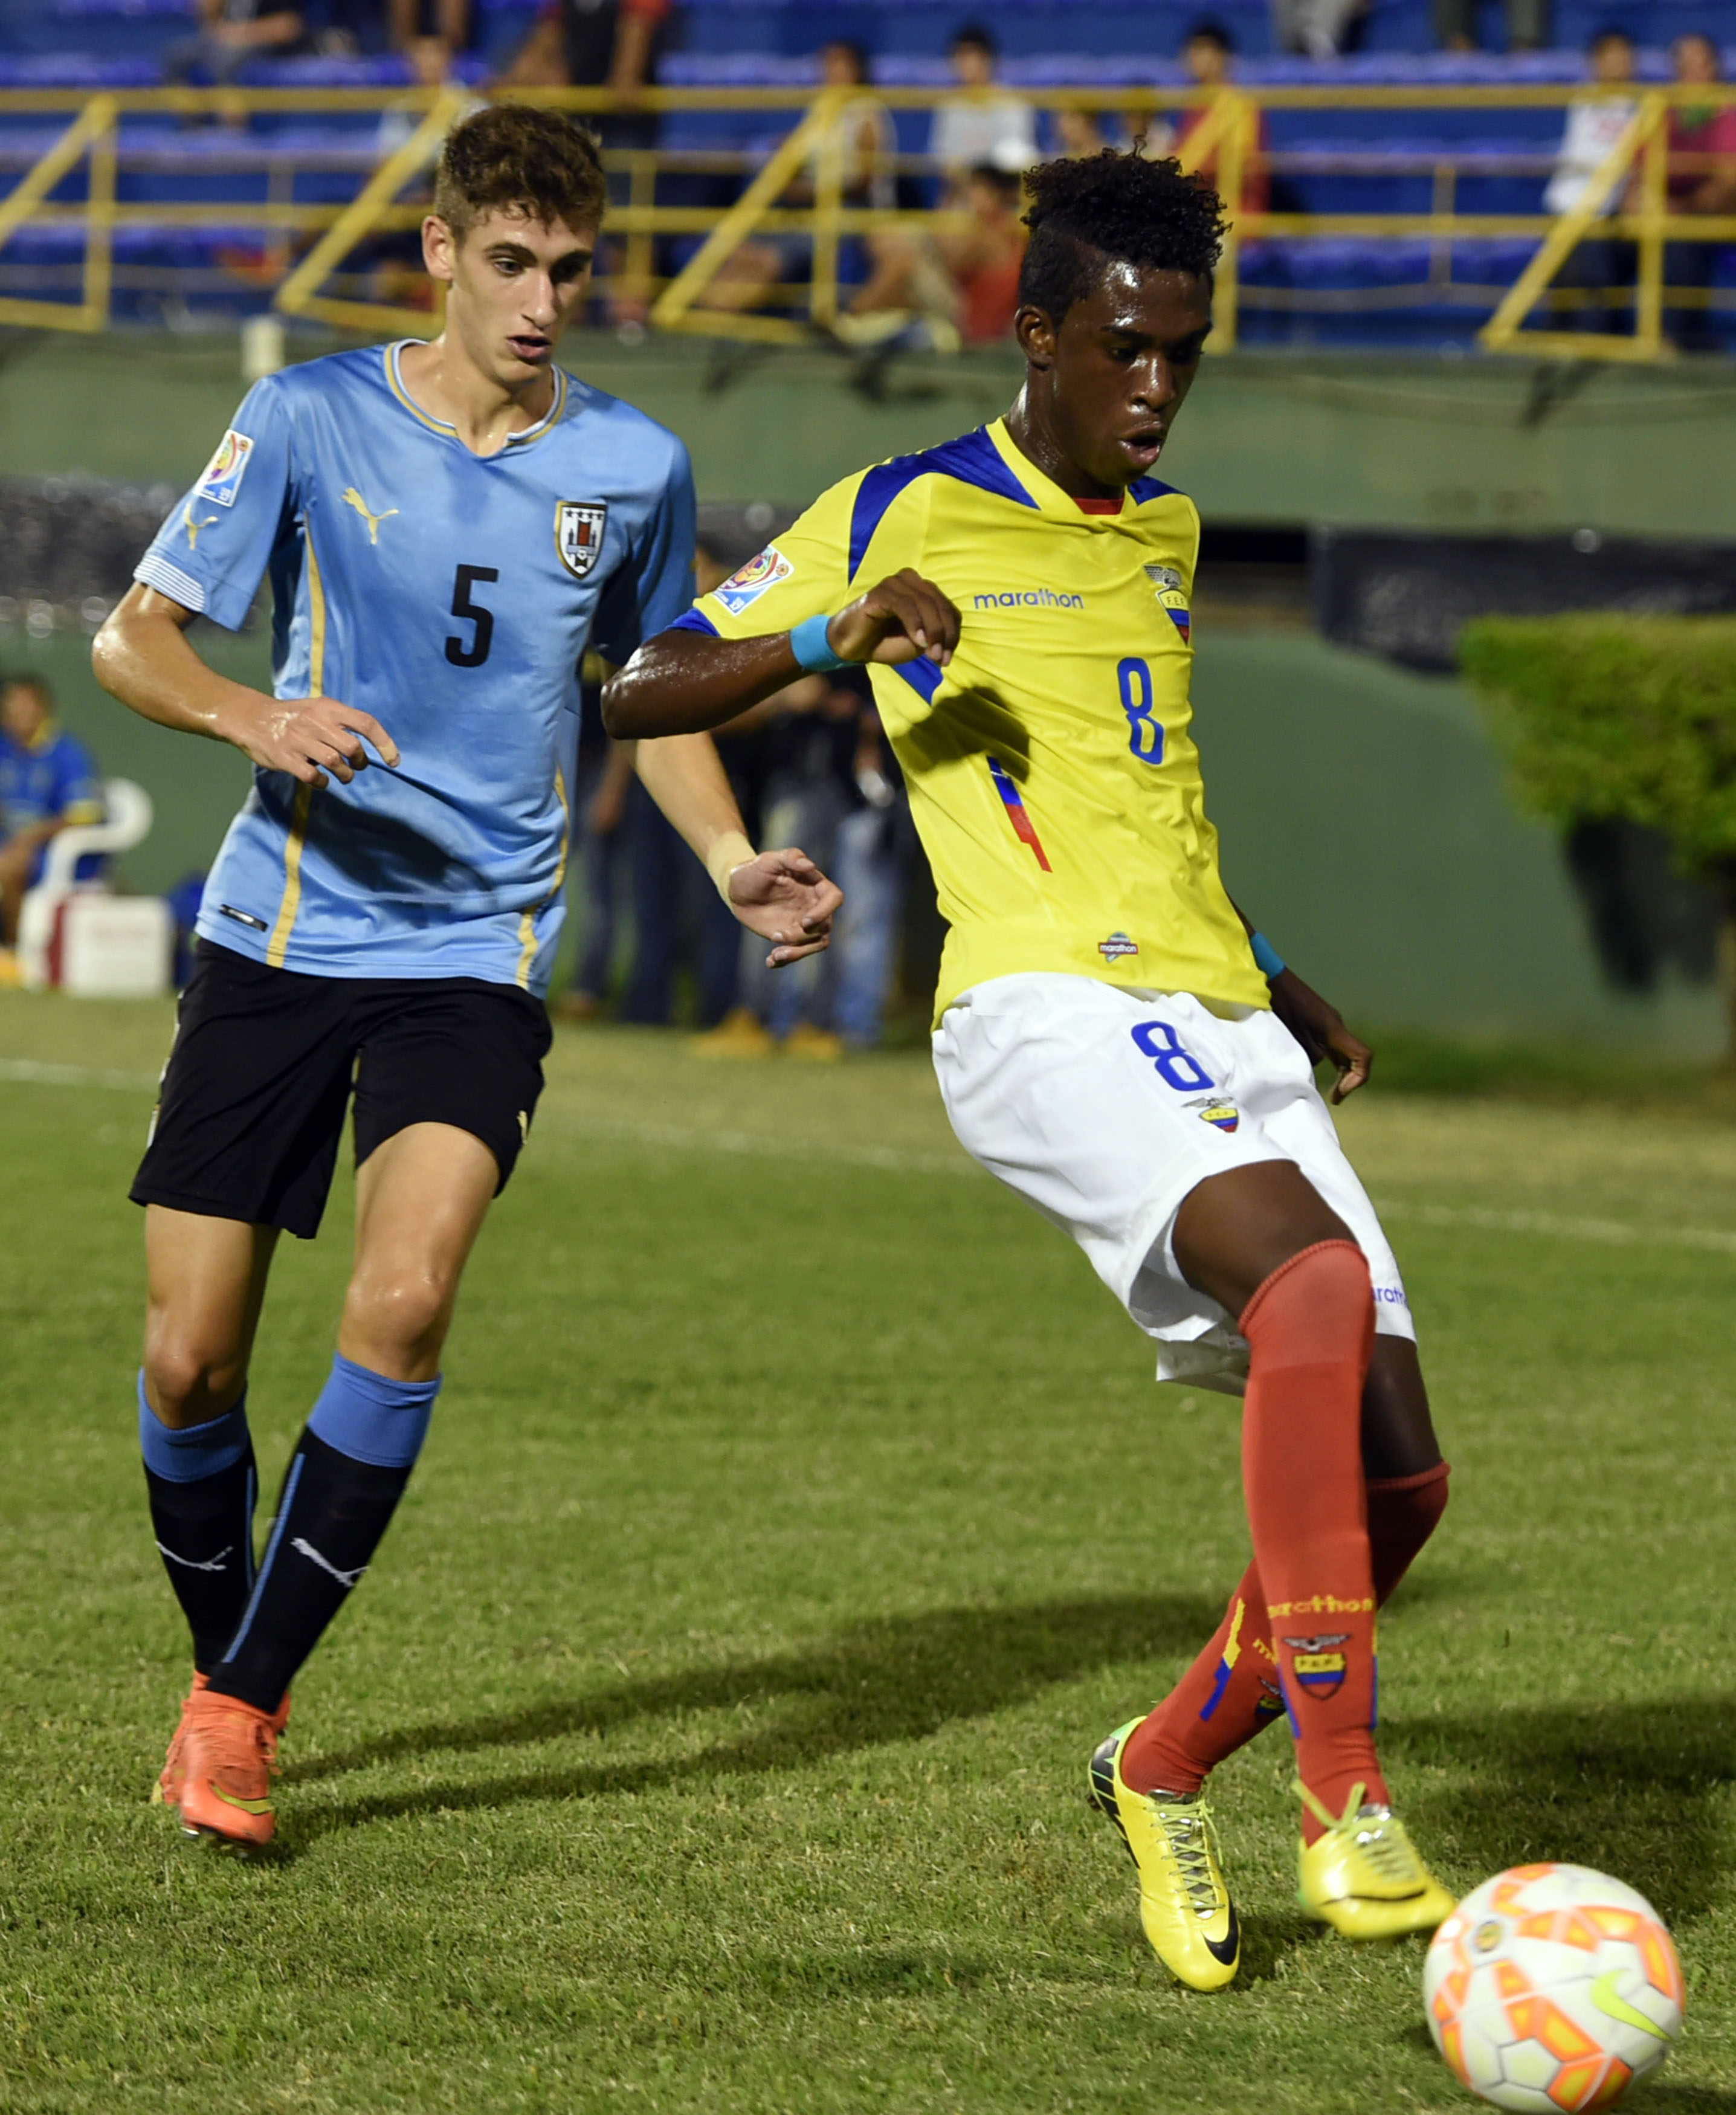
513	158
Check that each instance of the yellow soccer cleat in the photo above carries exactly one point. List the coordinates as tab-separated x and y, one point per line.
1184	1904
1363	1876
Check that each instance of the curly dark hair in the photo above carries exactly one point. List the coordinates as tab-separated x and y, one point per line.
511	155
1088	210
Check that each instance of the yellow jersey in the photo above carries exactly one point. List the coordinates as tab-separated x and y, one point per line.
1051	769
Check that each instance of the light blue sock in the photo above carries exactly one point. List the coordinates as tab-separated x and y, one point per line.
371	1418
196	1451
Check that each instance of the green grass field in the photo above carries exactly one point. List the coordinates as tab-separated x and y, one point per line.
711	1734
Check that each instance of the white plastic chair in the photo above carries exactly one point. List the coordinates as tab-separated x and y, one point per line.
126	823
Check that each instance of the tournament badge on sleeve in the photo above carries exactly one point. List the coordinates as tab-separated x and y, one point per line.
224	472
579	525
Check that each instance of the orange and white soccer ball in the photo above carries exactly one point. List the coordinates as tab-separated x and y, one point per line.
1553	1987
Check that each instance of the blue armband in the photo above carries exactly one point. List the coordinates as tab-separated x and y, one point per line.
1267	958
813	649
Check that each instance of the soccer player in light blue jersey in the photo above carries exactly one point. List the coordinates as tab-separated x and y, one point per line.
447	528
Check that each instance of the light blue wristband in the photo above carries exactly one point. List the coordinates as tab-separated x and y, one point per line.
813	649
1267	958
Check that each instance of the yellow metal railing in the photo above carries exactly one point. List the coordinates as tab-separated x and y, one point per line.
1226	141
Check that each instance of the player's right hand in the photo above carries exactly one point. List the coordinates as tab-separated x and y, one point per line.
902	619
311	737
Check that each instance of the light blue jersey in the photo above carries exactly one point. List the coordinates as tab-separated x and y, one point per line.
452	596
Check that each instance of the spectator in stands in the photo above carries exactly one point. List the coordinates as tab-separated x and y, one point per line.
829	782
982	125
445	22
1701	179
1527	24
1594	122
49	781
602	784
1318	29
230	33
597	44
957	284
1208	53
676	912
860	145
1081	133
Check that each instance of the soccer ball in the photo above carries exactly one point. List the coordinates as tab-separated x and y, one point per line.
1552	1987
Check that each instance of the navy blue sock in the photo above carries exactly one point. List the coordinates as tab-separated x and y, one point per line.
201	1484
345	1477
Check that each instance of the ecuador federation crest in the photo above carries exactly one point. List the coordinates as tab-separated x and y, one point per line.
1171	592
579	526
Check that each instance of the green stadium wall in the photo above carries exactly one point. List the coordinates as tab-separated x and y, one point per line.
1364	820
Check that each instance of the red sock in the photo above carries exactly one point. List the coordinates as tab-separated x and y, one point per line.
1231	1692
1310	1329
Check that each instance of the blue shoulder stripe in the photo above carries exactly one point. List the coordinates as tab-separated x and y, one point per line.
922	675
1149	488
694	620
973	459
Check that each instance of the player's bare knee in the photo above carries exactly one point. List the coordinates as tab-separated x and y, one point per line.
401	1312
191	1374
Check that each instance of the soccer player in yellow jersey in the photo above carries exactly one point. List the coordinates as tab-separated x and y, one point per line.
1112	1040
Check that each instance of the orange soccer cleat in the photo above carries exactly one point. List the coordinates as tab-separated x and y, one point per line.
220	1765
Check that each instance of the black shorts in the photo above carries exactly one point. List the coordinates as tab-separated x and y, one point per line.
255	1094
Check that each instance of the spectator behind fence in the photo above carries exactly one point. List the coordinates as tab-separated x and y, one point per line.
1594	122
1318	29
49	781
1208	53
230	33
677	913
860	145
412	22
982	125
829	781
1701	179
955	284
1079	134
1528	24
616	45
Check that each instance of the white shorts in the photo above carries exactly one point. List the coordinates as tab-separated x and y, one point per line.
1104	1108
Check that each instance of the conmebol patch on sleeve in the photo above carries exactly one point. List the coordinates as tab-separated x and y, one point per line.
746	587
224	472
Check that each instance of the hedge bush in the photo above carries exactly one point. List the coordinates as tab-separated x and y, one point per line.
1604	715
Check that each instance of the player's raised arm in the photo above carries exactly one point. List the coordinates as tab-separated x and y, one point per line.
684	681
143	657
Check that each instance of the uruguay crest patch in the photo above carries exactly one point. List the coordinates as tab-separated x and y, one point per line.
579	527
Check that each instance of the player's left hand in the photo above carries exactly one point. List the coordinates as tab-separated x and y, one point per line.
784	898
1319	1027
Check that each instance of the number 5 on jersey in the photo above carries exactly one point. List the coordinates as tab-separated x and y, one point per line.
471	652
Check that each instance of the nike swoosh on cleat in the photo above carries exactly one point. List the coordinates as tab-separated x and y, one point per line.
1224	1950
1611	2003
229	1799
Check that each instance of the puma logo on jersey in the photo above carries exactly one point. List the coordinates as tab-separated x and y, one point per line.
193	527
352	498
